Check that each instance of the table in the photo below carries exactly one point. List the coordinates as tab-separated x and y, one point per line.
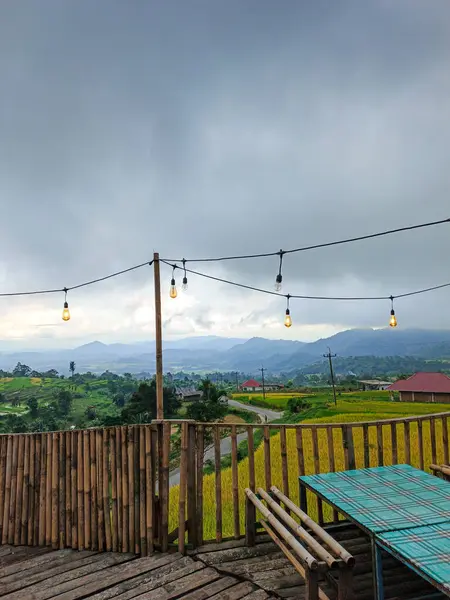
384	501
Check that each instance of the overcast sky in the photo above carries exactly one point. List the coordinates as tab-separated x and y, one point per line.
211	127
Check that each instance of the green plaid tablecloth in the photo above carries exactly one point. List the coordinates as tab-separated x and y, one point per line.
385	498
427	549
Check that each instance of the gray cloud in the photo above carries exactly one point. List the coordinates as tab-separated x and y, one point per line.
208	128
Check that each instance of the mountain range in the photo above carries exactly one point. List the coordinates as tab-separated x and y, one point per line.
214	353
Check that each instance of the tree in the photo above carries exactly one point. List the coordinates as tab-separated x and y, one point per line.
212	406
119	400
72	366
21	370
142	405
32	404
64	402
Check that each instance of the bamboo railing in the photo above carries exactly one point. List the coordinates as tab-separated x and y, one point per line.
108	489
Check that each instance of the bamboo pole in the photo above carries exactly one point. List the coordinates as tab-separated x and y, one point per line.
164	488
284	463
331	464
100	490
394	443
218	482
315	446
125	505
93	489
420	444
42	490
380	445
200	456
87	491
158	339
130	459
7	493
191	486
73	485
235	483
80	491
433	440
32	491
366	446
445	439
137	534
62	490
118	455
149	489
23	538
407	439
115	528
183	486
19	489
3	443
68	484
142	494
12	505
106	492
48	491
267	460
55	491
300	454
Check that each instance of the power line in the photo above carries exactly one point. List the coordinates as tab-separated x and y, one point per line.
315	246
301	297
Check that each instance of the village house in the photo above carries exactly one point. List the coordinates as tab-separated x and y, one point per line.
251	385
423	387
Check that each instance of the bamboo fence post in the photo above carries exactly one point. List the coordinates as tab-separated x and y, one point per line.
3	442
73	485
93	489
235	483
315	448
125	505
394	443
32	490
300	457
420	443
137	533
118	459
433	440
62	490
106	492
218	482
68	484
100	490
12	505
191	485
149	489
42	490
200	456
48	491
284	463
87	491
444	440
80	491
7	493
331	463
37	487
55	491
267	460
142	494
350	447
251	458
155	466
407	438
115	528
19	490
366	446
164	488
183	485
23	537
380	444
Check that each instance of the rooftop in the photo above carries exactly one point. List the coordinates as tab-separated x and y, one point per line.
434	383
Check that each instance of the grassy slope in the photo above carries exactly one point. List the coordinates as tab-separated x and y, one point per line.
352	409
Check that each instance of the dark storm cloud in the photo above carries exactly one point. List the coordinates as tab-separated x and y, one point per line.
208	128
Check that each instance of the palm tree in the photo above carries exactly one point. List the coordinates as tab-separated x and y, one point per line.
72	366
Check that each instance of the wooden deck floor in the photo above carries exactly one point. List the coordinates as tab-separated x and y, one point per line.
41	574
266	566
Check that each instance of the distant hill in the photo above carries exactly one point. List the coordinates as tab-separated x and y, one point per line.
210	353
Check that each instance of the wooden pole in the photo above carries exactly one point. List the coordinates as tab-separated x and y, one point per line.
158	338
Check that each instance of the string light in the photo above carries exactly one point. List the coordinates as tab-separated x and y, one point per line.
173	287
287	318
279	277
65	312
393	319
184	286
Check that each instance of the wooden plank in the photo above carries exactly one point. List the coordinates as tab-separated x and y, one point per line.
433	440
267	458
115	527
380	453
183	486
200	457
87	491
420	444
366	446
218	484
407	442
300	454
251	458
331	464
62	490
394	443
73	486
235	482
149	489
12	503
106	481
93	488
315	447
284	463
100	489
19	489
444	440
216	587
125	500
80	490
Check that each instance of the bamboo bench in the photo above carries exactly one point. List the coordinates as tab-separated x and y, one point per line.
310	556
442	471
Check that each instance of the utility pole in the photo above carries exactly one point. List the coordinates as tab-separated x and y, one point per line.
237	381
262	369
330	356
158	338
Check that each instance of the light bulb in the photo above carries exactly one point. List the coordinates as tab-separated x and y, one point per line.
287	319
185	284
278	281
173	289
393	319
66	313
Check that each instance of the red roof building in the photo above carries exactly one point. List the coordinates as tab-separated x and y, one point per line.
423	387
251	386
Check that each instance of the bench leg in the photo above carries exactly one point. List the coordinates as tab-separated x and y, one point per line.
250	523
345	584
312	585
303	498
377	571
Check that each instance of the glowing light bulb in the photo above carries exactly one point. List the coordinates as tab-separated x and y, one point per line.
185	284
278	281
288	319
393	319
173	288
66	313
